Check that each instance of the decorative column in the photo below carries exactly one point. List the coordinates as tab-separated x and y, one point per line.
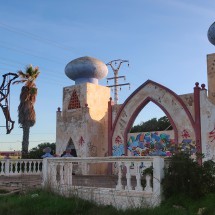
197	120
128	176
7	167
61	173
44	172
148	187
138	177
158	174
119	185
110	118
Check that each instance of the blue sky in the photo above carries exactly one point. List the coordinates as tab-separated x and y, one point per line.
164	40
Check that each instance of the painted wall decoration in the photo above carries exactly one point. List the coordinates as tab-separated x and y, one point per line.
151	143
212	135
118	140
81	141
159	143
118	150
92	149
187	145
118	147
185	134
210	145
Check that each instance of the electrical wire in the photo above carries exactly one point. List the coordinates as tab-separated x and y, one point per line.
34	36
30	53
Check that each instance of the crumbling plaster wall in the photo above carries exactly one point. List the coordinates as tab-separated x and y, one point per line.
87	126
207	126
211	77
188	100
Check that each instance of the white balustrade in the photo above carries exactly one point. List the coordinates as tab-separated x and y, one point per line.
60	171
10	167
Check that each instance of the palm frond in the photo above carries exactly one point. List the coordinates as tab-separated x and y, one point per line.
20	81
29	76
21	74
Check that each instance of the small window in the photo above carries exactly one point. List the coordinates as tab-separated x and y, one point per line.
74	101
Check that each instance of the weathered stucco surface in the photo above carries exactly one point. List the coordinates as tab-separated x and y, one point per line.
207	126
211	77
188	100
87	125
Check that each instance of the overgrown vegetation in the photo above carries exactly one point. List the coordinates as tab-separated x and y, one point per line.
153	124
185	176
39	202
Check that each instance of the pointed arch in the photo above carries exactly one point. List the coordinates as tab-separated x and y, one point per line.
71	146
140	107
171	104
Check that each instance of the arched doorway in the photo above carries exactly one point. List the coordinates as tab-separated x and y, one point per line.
71	146
151	134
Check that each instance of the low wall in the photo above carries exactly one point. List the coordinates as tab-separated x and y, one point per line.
128	191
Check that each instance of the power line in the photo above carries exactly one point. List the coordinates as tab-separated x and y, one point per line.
34	141
13	64
29	53
37	133
45	73
30	50
34	36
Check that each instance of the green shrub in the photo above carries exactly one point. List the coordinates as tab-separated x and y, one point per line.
185	176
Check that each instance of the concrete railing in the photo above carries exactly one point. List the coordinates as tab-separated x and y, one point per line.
13	167
58	174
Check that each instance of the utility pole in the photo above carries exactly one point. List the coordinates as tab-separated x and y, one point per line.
115	68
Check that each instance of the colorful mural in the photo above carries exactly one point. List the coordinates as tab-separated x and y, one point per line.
187	145
118	147
118	150
159	143
151	144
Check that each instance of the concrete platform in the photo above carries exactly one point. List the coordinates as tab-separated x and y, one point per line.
19	183
34	181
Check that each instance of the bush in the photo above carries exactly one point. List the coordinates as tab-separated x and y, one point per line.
185	176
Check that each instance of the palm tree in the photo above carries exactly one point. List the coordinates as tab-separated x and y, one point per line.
26	112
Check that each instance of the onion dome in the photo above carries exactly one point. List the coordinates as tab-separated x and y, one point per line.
211	34
86	69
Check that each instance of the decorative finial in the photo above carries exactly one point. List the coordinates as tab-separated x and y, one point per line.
203	86
58	109
197	84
